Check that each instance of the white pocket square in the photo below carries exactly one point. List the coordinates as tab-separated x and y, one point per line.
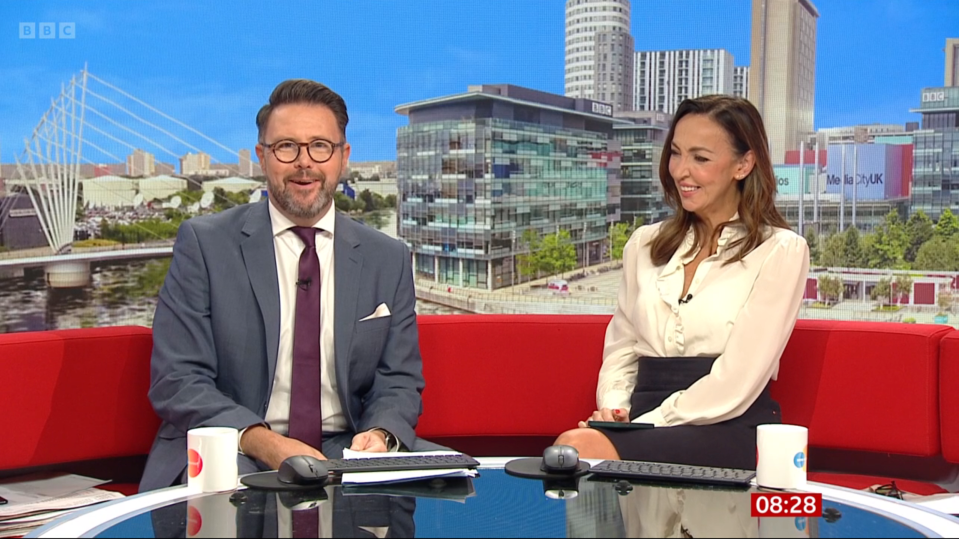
381	311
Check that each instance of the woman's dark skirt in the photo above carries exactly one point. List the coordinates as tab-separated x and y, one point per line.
730	444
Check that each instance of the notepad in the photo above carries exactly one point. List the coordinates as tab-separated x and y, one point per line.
368	478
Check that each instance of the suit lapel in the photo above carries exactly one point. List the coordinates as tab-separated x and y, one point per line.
260	260
348	267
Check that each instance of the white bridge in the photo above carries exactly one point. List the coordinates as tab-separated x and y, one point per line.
102	122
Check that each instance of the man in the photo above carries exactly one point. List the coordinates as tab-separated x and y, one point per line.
285	319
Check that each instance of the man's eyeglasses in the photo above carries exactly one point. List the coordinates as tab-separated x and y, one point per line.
319	150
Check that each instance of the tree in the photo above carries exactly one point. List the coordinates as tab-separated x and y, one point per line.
830	288
527	262
812	240
948	225
903	286
369	203
882	292
852	249
342	202
618	236
832	255
887	246
937	254
946	301
919	230
391	201
557	254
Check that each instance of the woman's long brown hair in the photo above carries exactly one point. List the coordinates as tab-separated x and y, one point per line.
757	208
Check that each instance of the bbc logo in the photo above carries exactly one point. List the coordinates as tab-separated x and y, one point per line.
48	30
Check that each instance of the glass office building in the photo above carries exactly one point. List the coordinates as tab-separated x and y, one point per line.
935	172
478	169
642	147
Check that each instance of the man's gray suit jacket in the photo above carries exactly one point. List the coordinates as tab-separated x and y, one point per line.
217	332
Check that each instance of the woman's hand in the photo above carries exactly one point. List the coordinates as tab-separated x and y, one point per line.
606	414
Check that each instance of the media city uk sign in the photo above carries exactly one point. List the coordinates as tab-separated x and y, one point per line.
874	171
48	30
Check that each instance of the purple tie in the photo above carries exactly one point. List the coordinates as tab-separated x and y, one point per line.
306	419
306	523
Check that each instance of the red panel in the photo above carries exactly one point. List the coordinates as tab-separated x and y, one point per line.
907	153
836	377
792	157
812	289
514	375
949	396
925	293
74	395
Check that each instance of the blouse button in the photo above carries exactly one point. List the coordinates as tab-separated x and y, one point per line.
669	339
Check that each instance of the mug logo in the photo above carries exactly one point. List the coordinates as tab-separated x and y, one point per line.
196	463
194	522
801	523
800	460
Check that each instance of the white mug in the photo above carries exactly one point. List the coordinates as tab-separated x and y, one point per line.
783	456
211	455
211	516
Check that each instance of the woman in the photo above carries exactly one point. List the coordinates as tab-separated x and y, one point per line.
707	301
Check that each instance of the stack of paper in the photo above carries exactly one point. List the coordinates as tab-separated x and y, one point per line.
37	499
366	478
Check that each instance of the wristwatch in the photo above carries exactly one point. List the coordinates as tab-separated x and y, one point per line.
392	444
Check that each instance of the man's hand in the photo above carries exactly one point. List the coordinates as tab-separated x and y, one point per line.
271	448
617	415
371	441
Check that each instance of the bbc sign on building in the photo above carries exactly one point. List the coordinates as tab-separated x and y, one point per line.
873	171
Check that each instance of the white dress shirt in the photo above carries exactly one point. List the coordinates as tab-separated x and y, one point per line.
288	247
742	313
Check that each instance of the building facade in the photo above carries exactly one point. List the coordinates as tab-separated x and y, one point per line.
476	170
195	163
952	62
141	163
665	78
641	196
935	170
741	81
245	163
782	71
20	226
599	52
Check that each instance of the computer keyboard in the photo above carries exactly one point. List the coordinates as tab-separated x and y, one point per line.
401	463
673	473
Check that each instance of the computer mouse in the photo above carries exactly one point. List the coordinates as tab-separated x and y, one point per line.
303	470
560	459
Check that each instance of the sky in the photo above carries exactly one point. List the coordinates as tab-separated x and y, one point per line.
212	65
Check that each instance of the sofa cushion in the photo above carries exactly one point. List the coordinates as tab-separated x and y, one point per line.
509	375
949	396
77	395
864	386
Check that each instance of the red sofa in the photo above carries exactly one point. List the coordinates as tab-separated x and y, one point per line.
884	394
949	396
76	396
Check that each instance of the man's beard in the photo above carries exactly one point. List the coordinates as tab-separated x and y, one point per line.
286	200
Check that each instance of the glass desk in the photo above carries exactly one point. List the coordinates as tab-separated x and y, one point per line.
494	505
